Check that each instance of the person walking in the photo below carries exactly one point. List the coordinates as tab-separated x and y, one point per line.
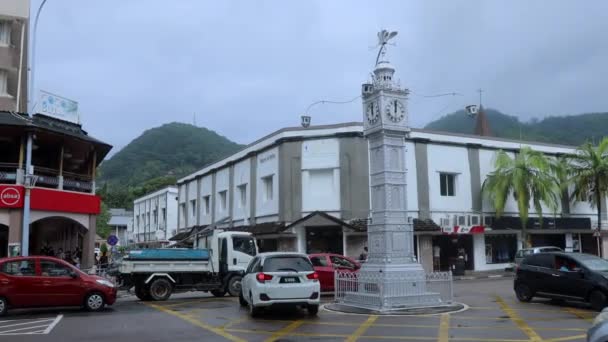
363	256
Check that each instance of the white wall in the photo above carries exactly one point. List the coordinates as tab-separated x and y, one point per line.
206	188
242	174
449	159
267	165
321	175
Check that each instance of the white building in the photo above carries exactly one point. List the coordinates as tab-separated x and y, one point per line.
121	224
155	217
307	189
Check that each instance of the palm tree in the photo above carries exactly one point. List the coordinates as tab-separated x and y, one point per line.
590	175
561	170
527	177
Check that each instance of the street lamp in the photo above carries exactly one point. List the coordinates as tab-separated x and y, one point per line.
29	179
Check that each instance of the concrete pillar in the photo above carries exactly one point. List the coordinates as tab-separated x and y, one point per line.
425	248
14	227
88	244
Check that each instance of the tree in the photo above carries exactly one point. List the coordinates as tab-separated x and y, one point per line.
103	219
590	175
527	178
561	169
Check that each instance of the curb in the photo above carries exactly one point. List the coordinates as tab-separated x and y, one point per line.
490	276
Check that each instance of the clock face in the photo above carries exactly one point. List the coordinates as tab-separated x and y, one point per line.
372	112
395	110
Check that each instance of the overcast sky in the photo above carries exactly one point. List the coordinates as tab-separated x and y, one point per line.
247	68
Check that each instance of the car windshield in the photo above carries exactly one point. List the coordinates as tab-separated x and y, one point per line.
287	264
594	263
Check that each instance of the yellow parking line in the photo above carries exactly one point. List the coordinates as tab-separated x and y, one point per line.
569	338
444	328
578	313
285	331
361	330
521	324
198	323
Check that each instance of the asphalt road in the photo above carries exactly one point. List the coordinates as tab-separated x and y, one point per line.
493	315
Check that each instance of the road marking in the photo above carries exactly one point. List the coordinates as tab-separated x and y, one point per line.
444	328
362	328
285	331
24	323
52	325
568	338
197	323
26	328
521	324
578	313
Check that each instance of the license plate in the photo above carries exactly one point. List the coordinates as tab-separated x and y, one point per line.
289	280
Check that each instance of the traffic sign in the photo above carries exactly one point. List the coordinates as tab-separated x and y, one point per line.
112	240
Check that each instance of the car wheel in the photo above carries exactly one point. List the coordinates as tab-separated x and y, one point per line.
523	293
313	310
3	306
234	285
597	299
253	311
94	302
218	293
160	289
242	300
142	293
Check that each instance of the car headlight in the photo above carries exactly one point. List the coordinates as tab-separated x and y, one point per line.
104	282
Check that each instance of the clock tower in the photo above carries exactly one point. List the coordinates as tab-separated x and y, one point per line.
391	261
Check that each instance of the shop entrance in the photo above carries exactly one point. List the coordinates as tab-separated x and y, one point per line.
57	236
555	240
3	241
449	247
324	240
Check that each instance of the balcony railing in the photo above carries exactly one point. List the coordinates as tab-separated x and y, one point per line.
46	178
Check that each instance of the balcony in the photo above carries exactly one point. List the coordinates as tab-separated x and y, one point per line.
47	178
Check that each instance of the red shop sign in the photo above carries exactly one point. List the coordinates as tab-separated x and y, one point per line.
11	196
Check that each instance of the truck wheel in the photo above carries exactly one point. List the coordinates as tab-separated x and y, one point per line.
160	289
218	293
234	285
142	293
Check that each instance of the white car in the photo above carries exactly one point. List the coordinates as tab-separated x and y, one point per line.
280	279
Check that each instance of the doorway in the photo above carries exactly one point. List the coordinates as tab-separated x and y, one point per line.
324	240
3	241
449	246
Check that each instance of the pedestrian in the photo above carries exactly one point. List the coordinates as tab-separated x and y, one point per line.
103	261
363	256
61	254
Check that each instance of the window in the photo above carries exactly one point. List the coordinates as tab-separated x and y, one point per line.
540	260
341	262
446	184
3	83
267	183
5	33
53	269
223	195
319	261
287	263
182	211
251	265
243	244
500	248
193	207
242	195
19	268
207	200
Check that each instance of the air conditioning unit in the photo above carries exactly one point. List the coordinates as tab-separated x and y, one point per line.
462	220
444	222
474	220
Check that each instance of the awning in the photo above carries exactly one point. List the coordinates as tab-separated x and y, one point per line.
463	230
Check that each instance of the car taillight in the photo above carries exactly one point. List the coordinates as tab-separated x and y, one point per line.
262	277
313	276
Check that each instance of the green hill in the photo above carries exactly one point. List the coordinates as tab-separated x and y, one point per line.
567	130
158	158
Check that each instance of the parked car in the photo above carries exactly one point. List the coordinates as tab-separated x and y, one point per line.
280	279
522	253
325	264
563	276
599	330
41	281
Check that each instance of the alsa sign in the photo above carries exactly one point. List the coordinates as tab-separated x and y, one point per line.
11	196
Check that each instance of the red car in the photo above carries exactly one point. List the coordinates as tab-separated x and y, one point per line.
40	281
325	264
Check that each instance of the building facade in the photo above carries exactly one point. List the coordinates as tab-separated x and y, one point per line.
307	189
121	224
13	54
155	218
63	203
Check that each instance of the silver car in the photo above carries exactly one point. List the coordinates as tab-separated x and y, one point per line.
522	253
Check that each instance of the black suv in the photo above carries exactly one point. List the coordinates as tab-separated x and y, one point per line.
563	276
